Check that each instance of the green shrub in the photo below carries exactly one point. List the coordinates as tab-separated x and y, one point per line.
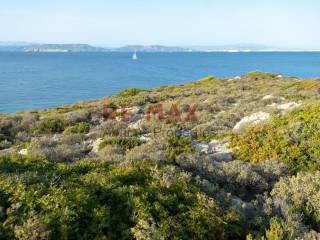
52	125
100	200
130	92
68	148
206	79
275	232
178	145
78	116
3	137
78	128
5	144
9	126
125	142
300	195
111	152
292	138
260	75
293	208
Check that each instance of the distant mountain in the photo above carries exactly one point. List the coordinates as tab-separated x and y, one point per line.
62	48
28	47
50	48
232	48
33	47
151	48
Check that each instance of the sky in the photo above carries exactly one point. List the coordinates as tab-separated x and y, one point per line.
279	23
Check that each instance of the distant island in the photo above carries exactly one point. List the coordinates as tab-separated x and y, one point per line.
50	48
151	48
24	47
31	47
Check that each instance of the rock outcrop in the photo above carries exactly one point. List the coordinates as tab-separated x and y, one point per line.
94	144
218	151
288	106
245	122
23	152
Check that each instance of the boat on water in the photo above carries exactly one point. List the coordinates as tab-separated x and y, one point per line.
135	56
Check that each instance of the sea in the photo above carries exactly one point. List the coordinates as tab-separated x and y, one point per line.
44	80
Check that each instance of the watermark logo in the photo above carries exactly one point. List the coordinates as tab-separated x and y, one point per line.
126	113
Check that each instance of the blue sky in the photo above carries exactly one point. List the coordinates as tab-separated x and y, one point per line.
282	23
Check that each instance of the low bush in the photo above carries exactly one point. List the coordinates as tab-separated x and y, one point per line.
110	128
206	79
130	92
100	200
154	150
260	75
3	137
51	125
111	152
292	138
125	142
71	139
5	144
244	180
78	116
178	145
69	148
9	127
300	195
247	180
294	208
78	128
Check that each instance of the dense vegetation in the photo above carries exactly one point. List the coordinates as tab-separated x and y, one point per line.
72	173
292	138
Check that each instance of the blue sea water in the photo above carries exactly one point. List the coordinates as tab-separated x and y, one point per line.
42	80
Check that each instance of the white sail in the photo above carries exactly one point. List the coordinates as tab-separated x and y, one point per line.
135	57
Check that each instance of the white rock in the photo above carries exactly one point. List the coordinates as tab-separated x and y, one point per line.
279	76
272	105
95	145
235	78
128	114
129	110
236	201
145	137
136	125
267	97
23	152
249	120
217	163
118	119
55	137
7	151
289	105
185	133
202	147
220	151
134	109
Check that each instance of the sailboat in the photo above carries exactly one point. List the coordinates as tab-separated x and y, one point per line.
135	56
